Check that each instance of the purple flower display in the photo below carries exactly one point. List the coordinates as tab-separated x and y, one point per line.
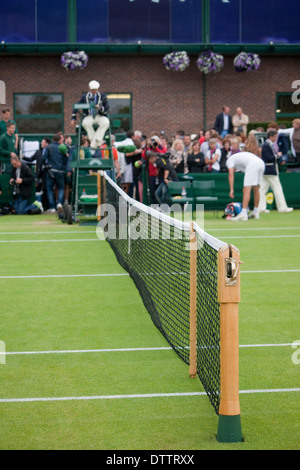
176	61
74	60
245	62
209	61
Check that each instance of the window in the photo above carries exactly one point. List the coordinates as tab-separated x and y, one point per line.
92	25
34	21
39	113
120	111
238	21
286	110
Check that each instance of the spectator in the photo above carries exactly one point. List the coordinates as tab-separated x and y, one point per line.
179	134
22	180
5	119
213	157
225	152
94	116
85	148
40	177
204	142
281	146
253	167
164	142
136	166
71	148
177	156
71	151
235	146
271	178
201	136
294	135
223	124
195	159
58	162
7	148
240	121
251	145
115	157
187	142
127	176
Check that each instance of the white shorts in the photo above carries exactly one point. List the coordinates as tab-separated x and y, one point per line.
254	173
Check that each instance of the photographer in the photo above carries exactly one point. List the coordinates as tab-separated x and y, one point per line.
22	180
153	144
166	173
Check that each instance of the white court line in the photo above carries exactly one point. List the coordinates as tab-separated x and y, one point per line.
51	233
94	231
272	271
49	276
53	241
250	228
163	348
99	240
144	395
261	236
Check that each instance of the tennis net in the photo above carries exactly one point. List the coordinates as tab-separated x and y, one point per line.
155	250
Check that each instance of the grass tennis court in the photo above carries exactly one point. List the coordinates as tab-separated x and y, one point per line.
87	369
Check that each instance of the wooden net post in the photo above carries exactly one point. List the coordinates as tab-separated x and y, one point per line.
193	302
100	191
229	426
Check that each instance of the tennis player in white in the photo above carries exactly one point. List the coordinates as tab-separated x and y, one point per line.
254	168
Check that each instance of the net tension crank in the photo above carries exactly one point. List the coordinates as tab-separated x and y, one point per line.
232	267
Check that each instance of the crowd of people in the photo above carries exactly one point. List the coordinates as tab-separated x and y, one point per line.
164	158
212	151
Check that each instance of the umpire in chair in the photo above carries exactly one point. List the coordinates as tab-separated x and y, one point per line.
95	116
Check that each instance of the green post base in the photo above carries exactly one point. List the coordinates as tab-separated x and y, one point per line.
229	429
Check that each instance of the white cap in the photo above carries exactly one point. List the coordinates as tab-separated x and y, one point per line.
94	85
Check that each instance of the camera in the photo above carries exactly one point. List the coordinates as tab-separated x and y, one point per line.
16	189
154	144
46	166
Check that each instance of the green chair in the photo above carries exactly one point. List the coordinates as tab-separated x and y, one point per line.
204	193
175	192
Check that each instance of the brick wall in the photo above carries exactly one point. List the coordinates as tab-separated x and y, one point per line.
162	100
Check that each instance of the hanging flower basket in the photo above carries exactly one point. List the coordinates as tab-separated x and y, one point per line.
209	61
245	62
176	61
74	60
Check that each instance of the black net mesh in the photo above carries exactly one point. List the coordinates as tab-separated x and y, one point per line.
154	250
208	324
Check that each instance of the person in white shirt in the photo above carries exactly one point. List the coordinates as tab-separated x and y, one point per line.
213	156
254	168
294	135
